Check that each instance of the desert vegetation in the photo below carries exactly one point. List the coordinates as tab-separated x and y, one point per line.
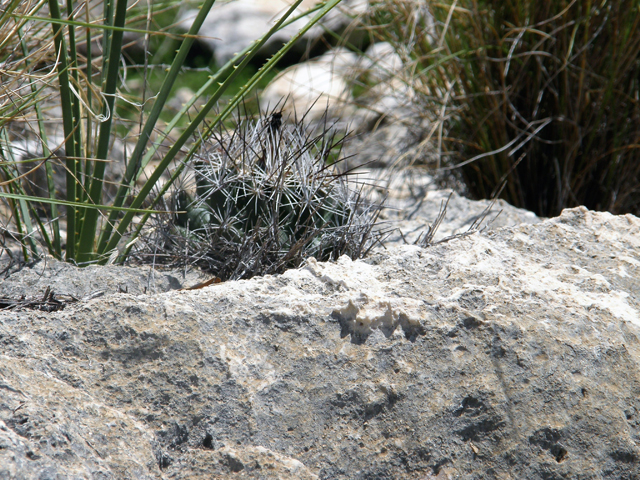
102	161
63	66
261	198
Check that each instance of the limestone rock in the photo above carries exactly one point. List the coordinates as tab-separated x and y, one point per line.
508	354
413	200
89	282
381	62
313	88
231	26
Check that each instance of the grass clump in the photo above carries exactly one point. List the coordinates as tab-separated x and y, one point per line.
258	200
542	94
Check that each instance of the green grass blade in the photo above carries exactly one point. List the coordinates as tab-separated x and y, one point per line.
109	241
73	69
5	14
106	38
89	75
105	27
87	235
22	212
268	66
17	214
10	113
55	201
66	104
55	247
135	164
214	79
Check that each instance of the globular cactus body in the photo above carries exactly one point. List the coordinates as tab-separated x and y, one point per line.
261	199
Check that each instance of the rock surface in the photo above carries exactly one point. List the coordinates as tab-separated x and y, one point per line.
507	354
413	201
90	282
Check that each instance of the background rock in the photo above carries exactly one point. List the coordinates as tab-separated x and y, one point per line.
413	201
385	119
314	88
233	25
508	354
381	62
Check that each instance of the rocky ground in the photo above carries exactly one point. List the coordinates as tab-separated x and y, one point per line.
510	353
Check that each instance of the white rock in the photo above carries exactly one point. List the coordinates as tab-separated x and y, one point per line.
233	25
381	61
507	354
314	86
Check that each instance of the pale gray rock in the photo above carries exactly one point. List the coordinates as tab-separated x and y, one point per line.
314	88
412	200
92	281
231	26
380	142
381	61
508	354
391	125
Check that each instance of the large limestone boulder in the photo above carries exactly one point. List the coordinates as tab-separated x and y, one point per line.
511	353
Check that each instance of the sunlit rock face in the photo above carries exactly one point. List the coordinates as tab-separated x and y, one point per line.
511	353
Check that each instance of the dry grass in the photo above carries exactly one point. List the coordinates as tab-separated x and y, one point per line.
544	95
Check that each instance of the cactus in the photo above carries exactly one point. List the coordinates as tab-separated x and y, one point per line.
261	199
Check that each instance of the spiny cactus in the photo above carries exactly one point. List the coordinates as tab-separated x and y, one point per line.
261	199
